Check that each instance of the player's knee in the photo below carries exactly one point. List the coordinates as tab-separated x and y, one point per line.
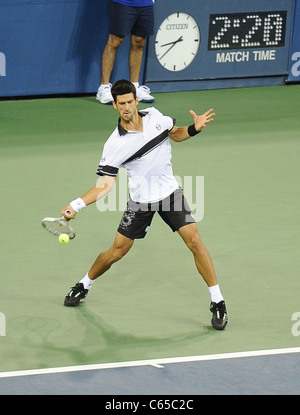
194	243
117	253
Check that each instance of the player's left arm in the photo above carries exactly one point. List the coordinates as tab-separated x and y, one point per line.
179	134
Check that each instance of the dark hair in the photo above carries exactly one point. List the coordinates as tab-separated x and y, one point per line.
122	87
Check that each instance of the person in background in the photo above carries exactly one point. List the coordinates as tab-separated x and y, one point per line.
134	18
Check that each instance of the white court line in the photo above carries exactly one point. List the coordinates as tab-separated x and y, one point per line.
158	363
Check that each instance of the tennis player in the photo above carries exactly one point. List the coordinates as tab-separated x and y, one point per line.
140	143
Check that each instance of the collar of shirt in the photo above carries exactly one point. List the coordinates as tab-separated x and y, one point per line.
122	130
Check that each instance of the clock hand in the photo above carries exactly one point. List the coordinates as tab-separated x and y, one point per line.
173	44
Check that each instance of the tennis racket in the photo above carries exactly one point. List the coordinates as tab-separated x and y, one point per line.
57	226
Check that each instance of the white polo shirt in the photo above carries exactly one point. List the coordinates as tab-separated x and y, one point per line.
146	156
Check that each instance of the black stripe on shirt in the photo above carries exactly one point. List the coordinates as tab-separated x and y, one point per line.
107	171
149	146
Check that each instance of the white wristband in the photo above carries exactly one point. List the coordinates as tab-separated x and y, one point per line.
77	204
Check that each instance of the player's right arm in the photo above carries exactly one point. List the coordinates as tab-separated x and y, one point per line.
100	190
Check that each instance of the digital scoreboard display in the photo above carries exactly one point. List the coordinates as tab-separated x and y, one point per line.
240	43
247	30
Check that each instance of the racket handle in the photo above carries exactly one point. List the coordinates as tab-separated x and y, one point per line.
68	212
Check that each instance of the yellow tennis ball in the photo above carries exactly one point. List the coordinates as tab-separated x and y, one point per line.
63	238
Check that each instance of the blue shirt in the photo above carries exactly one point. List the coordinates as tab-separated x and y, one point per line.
135	3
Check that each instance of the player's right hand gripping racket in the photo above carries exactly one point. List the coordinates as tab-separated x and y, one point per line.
57	226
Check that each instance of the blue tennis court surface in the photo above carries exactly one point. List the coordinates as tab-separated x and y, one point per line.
271	372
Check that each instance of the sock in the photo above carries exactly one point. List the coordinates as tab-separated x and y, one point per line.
87	282
215	293
136	84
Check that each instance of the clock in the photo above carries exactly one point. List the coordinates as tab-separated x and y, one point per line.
177	41
247	30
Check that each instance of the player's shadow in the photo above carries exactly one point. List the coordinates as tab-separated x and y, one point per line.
91	340
115	344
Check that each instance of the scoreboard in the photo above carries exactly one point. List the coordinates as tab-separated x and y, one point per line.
247	30
197	44
200	43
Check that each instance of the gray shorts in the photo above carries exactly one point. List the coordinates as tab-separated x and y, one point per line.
137	218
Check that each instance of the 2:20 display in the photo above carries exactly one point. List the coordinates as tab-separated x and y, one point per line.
247	30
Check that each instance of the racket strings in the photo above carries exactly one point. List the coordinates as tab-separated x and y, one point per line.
57	226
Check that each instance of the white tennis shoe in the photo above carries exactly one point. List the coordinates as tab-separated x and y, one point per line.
104	95
143	94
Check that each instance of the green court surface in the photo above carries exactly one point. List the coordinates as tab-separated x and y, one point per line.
152	304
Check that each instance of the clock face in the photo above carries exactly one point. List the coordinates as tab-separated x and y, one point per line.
177	41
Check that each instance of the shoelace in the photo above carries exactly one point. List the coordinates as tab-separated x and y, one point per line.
106	88
220	312
144	88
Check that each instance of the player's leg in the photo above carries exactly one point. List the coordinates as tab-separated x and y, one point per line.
176	212
189	234
103	262
134	224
